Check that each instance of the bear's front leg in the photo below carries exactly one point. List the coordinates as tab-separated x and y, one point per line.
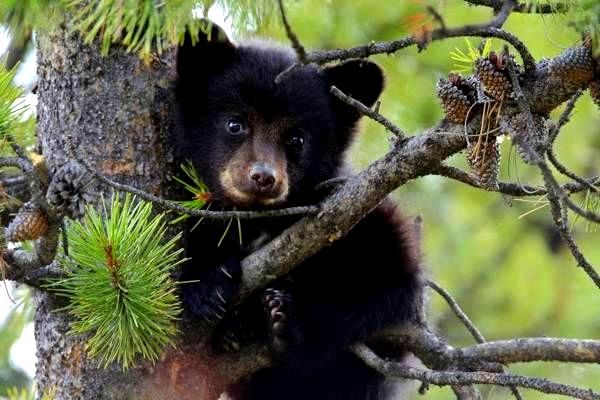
209	295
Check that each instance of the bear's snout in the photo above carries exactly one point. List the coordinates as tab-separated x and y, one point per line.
263	177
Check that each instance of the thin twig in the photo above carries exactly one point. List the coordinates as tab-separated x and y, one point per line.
460	314
174	206
390	126
554	191
507	7
437	17
466	321
298	48
560	167
565	116
324	56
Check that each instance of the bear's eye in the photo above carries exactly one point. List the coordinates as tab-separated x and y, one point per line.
236	126
295	142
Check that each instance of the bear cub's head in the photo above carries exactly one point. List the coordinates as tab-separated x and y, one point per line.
257	143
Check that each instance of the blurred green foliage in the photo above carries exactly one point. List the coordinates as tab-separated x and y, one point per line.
512	275
12	378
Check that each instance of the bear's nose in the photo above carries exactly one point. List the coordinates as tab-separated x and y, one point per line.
263	177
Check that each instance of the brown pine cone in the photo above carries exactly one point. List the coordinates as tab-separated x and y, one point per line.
490	72
69	191
484	158
575	66
456	95
30	223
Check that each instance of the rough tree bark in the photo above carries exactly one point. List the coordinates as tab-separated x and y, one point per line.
117	110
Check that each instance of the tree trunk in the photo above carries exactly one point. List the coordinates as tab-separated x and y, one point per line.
118	111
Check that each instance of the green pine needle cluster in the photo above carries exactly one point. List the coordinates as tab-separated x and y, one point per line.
13	125
11	104
23	16
118	282
248	15
464	61
194	185
142	26
139	25
24	394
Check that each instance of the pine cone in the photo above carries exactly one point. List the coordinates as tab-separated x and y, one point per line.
68	191
457	95
536	141
490	72
30	223
484	158
574	67
595	92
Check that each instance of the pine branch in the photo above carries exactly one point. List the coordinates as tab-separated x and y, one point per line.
466	321
556	196
512	188
324	56
175	206
446	378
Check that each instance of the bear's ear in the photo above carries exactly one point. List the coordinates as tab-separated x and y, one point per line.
210	51
360	79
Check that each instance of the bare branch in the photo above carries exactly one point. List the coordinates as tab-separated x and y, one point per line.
527	8
297	46
418	156
507	7
511	188
466	321
321	57
535	349
174	206
374	115
555	193
460	314
565	116
437	17
445	378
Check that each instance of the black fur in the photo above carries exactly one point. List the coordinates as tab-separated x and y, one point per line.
364	282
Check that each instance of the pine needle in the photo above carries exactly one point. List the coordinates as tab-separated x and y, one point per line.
464	61
194	185
118	282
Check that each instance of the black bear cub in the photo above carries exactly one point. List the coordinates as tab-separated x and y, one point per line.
259	144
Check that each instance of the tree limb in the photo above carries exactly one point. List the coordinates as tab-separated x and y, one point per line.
445	378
